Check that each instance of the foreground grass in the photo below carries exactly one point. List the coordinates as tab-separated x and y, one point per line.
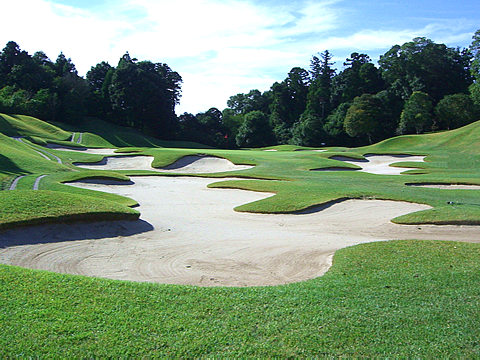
389	299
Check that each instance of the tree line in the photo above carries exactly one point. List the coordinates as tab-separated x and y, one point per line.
138	94
417	87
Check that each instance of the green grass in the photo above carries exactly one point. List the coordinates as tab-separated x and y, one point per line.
452	157
391	299
98	133
402	299
21	125
38	207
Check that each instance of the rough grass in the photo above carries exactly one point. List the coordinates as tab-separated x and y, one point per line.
402	299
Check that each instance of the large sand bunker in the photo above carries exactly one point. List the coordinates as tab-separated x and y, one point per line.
376	164
192	164
190	234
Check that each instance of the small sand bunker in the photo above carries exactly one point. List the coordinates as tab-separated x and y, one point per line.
190	234
271	150
83	150
376	164
192	164
448	186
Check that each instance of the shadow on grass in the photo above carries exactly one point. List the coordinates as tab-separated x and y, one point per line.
317	208
9	167
54	233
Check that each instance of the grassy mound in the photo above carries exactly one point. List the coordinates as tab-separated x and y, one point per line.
21	125
39	207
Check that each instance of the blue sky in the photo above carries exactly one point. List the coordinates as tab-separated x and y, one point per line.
223	47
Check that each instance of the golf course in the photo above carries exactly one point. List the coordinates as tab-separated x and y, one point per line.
116	244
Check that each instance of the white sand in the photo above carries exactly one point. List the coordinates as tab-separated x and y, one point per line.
448	186
198	239
83	150
188	164
378	164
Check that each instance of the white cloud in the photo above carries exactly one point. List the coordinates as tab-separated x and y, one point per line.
220	47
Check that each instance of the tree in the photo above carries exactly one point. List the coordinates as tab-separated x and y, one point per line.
363	117
417	114
422	65
288	102
18	68
359	77
232	123
214	129
455	110
64	66
334	125
96	75
475	68
253	100
144	94
308	131
319	92
255	131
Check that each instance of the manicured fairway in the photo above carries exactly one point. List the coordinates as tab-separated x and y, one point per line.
392	299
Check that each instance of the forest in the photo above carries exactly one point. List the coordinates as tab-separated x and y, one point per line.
414	88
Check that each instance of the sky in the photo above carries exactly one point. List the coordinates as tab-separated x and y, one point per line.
225	47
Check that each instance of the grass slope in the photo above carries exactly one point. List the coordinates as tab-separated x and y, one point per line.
452	157
21	125
391	299
402	299
99	133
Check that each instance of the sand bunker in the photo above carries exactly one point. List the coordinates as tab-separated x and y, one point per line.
83	150
192	164
376	164
448	186
189	234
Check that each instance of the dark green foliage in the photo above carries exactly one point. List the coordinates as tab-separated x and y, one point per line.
255	131
364	117
417	114
308	131
422	65
475	50
254	100
319	91
455	110
144	94
138	94
334	125
359	77
289	100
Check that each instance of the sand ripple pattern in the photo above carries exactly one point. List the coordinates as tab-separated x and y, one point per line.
190	234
